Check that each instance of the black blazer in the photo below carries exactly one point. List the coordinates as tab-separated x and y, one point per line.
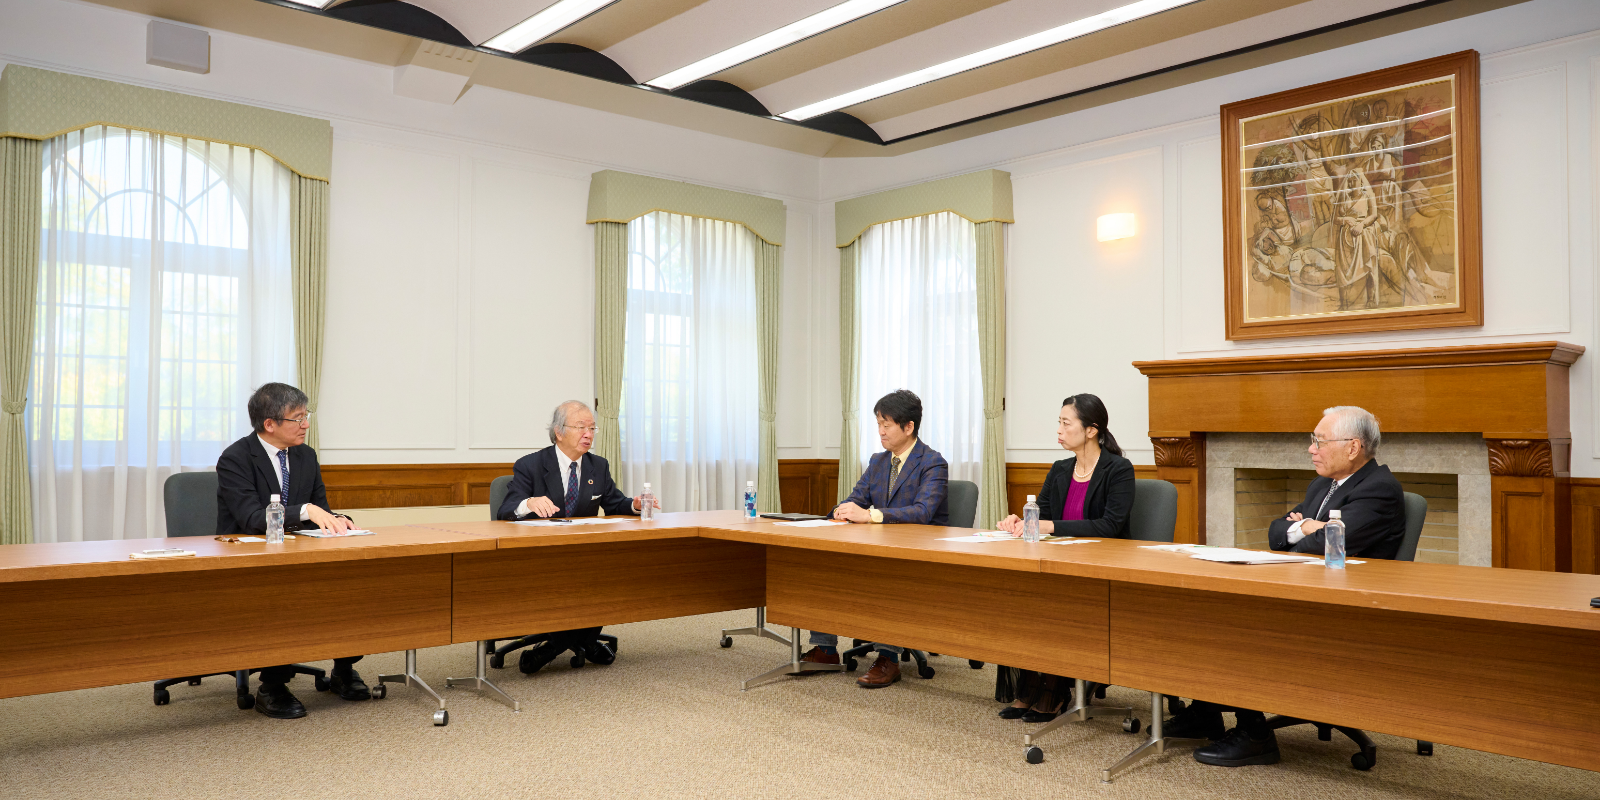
539	474
1106	509
1372	505
247	478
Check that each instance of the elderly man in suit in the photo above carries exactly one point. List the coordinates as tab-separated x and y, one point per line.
562	481
275	460
1371	504
906	483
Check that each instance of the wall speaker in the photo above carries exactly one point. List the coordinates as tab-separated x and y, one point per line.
177	47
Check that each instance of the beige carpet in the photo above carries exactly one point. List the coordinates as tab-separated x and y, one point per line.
668	720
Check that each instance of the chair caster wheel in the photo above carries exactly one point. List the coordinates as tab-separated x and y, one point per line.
441	718
245	701
322	684
1363	761
849	665
925	672
164	697
1424	748
1033	755
974	664
380	691
194	681
576	662
497	661
727	641
1130	725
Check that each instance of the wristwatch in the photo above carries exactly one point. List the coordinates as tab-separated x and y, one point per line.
877	516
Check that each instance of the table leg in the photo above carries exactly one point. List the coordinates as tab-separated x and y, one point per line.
795	665
481	683
1155	745
410	678
760	629
1081	711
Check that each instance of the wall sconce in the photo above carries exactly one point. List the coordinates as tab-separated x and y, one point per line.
1115	226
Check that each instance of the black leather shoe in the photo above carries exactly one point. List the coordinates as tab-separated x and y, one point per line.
275	701
1051	700
1012	712
599	652
534	658
1238	749
1195	725
349	687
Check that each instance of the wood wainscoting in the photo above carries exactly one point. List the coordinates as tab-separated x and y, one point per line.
409	485
1585	525
808	485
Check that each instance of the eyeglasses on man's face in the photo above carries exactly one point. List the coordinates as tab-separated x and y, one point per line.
1320	443
583	428
304	420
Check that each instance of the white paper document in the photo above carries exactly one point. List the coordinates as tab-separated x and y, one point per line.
1235	555
981	536
558	523
318	534
812	523
1073	541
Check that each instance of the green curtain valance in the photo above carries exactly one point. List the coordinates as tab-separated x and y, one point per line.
983	196
624	197
40	104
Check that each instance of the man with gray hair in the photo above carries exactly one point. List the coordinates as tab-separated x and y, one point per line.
563	481
1371	504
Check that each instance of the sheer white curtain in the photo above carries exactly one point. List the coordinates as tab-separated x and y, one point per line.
689	378
164	298
917	323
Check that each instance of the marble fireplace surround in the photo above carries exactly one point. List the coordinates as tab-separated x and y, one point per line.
1464	455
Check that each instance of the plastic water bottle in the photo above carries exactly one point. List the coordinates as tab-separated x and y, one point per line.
1030	521
1333	542
275	521
647	505
750	500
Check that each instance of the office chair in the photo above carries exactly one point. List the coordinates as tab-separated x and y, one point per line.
962	500
1367	757
1154	518
498	488
191	504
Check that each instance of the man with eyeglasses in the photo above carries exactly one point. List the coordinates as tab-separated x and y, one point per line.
275	460
1371	504
563	481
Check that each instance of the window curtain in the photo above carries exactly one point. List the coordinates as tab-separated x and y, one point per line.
690	387
916	312
769	281
164	296
610	326
850	431
308	233
991	267
19	272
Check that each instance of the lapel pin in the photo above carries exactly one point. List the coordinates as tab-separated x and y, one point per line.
591	481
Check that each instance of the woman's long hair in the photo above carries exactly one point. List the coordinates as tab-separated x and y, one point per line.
1092	413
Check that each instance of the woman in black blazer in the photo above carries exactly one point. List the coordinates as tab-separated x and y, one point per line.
1088	494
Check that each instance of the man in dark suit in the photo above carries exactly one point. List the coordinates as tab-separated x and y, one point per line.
274	460
1371	504
906	483
562	481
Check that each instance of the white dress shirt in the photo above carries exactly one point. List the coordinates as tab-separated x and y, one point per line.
1294	530
290	514
561	461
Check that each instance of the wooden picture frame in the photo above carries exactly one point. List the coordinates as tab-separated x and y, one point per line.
1355	205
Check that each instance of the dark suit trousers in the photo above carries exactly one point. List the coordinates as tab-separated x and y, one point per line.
1253	722
282	674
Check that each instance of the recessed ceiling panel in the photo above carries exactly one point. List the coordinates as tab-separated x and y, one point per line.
708	28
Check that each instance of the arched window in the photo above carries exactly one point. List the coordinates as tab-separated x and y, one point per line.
164	297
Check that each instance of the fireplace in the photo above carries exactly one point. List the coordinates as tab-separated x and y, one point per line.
1481	430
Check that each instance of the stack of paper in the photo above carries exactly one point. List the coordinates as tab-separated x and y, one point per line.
1235	555
319	534
981	536
811	523
540	523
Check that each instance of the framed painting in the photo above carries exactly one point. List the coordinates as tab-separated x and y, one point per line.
1354	205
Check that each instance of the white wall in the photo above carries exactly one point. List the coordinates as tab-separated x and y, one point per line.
460	277
1081	312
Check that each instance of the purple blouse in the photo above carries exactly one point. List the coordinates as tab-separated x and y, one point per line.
1072	507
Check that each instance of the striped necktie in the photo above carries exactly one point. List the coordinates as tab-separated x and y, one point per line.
572	490
894	473
283	473
1325	499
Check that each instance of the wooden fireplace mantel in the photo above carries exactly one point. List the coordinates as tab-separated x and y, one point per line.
1514	395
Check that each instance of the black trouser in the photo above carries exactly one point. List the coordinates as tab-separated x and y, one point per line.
282	674
1252	722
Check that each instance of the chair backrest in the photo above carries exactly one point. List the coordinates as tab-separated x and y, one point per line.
1155	511
963	499
1416	514
191	502
498	489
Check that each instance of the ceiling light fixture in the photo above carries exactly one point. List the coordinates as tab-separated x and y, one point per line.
819	22
1027	44
542	25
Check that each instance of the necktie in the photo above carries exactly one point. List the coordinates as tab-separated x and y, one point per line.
283	473
572	490
1325	499
894	473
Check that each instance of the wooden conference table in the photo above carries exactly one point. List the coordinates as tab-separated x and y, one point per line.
1424	651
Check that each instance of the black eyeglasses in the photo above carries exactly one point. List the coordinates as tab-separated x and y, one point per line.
302	421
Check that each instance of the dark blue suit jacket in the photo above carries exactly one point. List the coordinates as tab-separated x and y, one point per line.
539	474
920	494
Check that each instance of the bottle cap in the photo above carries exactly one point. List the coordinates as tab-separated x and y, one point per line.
749	484
647	487
274	498
1030	498
1334	514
